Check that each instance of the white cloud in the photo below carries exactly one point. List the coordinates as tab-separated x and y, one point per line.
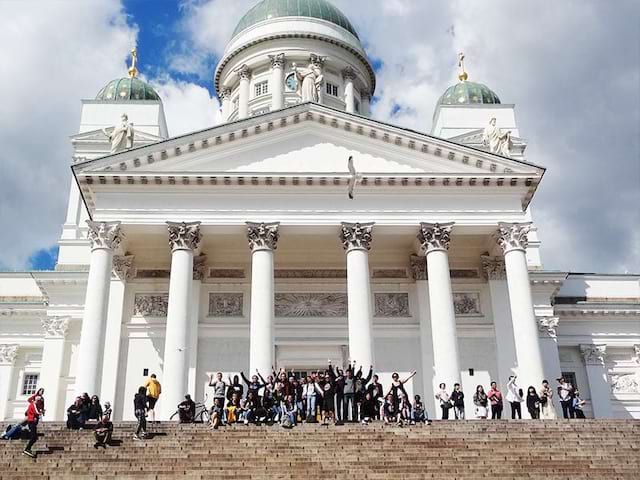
53	54
187	107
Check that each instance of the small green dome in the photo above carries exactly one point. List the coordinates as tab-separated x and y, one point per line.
127	88
468	93
268	9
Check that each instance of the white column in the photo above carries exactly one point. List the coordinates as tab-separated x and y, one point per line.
53	353
263	240
434	239
349	75
277	81
104	237
547	329
184	238
594	357
419	272
8	354
199	273
125	271
365	102
496	275
244	73
225	99
512	238
356	240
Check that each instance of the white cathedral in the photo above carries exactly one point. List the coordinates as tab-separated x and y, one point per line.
257	243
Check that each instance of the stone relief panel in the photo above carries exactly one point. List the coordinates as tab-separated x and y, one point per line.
153	273
391	305
466	304
226	273
625	383
310	273
311	305
151	305
389	273
226	304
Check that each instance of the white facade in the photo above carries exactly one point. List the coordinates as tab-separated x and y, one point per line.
430	267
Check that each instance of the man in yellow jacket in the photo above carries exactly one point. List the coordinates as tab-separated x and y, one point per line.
153	394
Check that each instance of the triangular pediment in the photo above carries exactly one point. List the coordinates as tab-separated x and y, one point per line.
307	139
141	138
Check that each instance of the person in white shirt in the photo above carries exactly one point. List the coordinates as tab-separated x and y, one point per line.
445	403
514	397
565	393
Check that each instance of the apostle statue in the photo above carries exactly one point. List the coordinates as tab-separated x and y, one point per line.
121	137
309	82
497	141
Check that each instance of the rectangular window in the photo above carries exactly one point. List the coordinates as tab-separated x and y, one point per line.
332	89
262	88
30	383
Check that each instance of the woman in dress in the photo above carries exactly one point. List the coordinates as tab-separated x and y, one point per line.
547	410
481	401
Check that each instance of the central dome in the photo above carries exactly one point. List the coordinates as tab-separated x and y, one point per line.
269	9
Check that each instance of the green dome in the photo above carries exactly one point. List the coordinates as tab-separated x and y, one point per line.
127	88
468	93
268	9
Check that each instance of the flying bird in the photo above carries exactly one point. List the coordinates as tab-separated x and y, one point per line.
355	178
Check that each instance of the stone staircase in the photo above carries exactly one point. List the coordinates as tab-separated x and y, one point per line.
579	449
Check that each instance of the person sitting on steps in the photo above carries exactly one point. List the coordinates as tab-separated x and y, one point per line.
187	410
103	432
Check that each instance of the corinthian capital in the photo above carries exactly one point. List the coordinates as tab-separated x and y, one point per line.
349	73
225	94
513	236
55	326
104	235
123	267
8	354
277	60
548	326
493	267
435	236
263	236
184	236
244	72
356	236
593	354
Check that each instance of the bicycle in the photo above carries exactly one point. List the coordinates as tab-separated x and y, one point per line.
201	416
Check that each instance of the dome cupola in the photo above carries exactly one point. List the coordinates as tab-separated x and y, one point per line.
128	88
466	92
278	45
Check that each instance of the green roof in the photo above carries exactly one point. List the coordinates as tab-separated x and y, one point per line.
466	93
127	88
268	9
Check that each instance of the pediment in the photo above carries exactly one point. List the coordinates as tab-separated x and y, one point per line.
475	139
97	136
306	139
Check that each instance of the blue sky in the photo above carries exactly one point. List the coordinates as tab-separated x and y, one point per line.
572	70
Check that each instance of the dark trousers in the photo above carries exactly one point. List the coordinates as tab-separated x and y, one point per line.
33	435
496	412
445	412
103	438
535	413
579	413
349	405
339	409
141	415
567	409
515	408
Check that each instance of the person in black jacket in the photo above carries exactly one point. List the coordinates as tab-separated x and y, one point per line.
457	399
368	409
140	409
376	390
533	403
234	387
95	409
253	386
339	379
75	420
361	387
328	399
187	410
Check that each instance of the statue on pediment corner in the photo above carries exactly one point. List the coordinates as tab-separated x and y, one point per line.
497	141
121	137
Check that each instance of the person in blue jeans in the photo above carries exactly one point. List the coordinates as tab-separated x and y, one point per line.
290	412
310	392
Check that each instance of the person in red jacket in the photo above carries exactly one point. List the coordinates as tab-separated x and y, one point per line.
33	415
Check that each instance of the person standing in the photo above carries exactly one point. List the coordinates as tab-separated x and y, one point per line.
565	394
153	394
495	397
514	397
140	409
445	401
547	410
32	417
376	391
457	399
578	404
481	401
533	403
